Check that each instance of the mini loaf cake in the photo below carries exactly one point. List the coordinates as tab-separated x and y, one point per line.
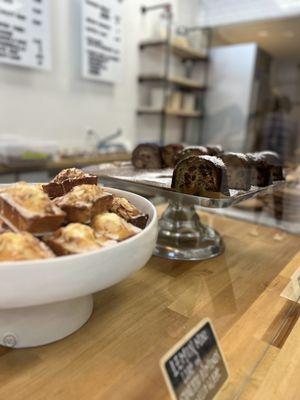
201	176
27	208
214	150
113	227
66	180
22	246
169	154
83	202
72	239
129	212
192	151
260	170
147	156
273	160
238	170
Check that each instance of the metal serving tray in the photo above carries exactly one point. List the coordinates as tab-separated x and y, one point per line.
158	182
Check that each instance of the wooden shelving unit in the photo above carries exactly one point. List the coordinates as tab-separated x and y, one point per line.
181	82
169	112
186	53
190	57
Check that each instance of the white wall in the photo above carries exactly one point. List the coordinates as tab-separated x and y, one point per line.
59	104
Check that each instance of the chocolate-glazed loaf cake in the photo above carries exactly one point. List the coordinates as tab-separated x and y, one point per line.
192	151
238	170
169	154
147	156
201	176
260	170
274	161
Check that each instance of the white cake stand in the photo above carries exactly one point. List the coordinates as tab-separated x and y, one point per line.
46	300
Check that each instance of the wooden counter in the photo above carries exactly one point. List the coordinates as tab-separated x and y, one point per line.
116	354
57	165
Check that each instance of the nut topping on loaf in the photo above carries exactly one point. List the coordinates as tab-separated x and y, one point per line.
83	202
147	156
129	212
200	176
69	174
66	180
28	208
22	246
113	227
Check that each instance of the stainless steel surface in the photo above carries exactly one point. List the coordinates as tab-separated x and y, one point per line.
181	235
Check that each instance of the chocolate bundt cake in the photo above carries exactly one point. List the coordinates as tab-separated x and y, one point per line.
214	150
200	176
169	154
273	159
238	170
260	170
147	156
191	151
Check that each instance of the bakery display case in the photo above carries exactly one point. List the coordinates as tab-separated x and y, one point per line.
136	321
149	200
139	314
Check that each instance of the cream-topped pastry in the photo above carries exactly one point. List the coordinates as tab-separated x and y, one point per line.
83	202
22	246
73	239
113	227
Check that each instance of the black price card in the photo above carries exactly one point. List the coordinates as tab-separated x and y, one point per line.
195	369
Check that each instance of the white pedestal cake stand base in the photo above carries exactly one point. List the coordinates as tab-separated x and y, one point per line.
39	325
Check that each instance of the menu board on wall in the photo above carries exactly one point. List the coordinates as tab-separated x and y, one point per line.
101	40
25	33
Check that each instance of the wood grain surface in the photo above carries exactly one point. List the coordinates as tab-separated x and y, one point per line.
116	354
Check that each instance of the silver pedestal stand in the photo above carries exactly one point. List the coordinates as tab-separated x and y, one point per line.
182	236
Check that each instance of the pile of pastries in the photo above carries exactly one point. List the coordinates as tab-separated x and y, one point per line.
209	170
72	214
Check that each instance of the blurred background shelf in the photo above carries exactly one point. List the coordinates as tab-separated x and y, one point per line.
186	53
169	112
181	82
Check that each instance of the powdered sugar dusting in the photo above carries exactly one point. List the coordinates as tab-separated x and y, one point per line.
215	160
241	156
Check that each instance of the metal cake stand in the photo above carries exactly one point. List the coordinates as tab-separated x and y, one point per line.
182	235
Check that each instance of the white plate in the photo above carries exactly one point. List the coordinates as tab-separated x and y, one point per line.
45	300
